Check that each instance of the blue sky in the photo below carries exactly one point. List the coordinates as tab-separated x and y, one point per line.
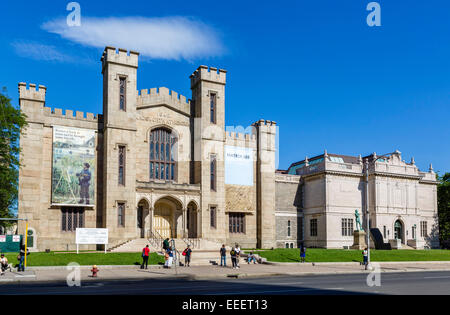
315	67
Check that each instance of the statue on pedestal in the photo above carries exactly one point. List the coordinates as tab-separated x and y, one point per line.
358	221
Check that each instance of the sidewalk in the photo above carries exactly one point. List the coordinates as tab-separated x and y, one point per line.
216	272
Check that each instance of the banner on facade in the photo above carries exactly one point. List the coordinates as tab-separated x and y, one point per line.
73	171
238	166
91	236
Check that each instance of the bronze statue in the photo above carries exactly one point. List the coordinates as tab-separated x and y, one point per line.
358	221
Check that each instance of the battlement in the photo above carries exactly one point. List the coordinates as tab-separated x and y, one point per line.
32	93
203	73
163	95
263	122
68	114
120	56
240	139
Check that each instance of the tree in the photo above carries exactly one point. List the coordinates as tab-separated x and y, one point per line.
12	121
444	206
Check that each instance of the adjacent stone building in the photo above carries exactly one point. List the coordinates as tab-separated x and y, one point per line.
316	201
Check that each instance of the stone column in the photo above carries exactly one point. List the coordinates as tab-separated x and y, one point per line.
150	219
184	222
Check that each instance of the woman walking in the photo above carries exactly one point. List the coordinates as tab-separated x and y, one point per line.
302	253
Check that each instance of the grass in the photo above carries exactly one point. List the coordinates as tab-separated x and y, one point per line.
342	255
85	259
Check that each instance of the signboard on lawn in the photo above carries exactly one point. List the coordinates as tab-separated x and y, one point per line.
91	236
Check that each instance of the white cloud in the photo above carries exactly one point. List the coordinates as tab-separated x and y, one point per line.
38	51
157	38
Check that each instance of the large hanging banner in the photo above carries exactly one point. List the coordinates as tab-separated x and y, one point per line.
238	166
73	172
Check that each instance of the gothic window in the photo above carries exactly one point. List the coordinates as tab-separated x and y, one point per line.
213	171
236	222
213	105
71	219
122	93
121	214
162	151
122	150
213	213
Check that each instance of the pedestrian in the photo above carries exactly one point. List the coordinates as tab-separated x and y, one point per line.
365	256
170	257
302	253
223	256
4	264
233	258
251	258
238	254
21	258
187	256
166	244
145	255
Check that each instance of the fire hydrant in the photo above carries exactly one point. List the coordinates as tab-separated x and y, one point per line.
94	271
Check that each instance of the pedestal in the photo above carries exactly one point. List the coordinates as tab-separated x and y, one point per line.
359	240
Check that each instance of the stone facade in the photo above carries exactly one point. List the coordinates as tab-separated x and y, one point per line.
402	200
186	206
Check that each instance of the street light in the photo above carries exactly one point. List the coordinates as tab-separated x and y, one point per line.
366	166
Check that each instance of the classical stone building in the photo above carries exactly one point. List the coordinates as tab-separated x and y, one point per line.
161	165
316	201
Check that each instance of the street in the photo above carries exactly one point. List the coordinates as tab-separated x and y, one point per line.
433	283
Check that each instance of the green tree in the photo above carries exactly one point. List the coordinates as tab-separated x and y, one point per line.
444	206
12	121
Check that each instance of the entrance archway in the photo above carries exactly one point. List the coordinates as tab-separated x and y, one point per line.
398	230
192	220
166	216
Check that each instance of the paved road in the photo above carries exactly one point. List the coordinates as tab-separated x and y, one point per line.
391	283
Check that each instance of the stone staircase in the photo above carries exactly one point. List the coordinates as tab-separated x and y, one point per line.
134	246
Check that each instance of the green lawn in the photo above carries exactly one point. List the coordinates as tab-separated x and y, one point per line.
342	255
85	259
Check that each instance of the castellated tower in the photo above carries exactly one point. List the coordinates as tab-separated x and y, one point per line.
207	152
119	70
265	179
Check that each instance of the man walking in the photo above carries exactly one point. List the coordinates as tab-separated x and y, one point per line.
238	254
223	256
145	255
233	258
365	257
187	256
22	258
302	253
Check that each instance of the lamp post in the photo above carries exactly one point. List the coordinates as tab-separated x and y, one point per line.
366	166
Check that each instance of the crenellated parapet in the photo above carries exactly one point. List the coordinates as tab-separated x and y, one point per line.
163	96
204	73
69	114
120	56
33	93
240	139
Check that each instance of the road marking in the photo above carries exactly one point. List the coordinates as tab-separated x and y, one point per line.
436	277
26	276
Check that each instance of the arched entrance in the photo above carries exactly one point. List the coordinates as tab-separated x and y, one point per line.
142	216
166	217
398	230
192	220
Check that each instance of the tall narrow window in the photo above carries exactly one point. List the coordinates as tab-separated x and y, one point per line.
162	151
213	166
313	227
122	93
384	231
213	214
122	152
289	228
213	101
423	229
121	214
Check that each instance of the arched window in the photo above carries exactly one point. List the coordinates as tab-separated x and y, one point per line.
162	151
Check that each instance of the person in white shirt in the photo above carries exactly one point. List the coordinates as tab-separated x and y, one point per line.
237	249
4	263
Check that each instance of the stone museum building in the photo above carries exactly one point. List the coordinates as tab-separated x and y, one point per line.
155	164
